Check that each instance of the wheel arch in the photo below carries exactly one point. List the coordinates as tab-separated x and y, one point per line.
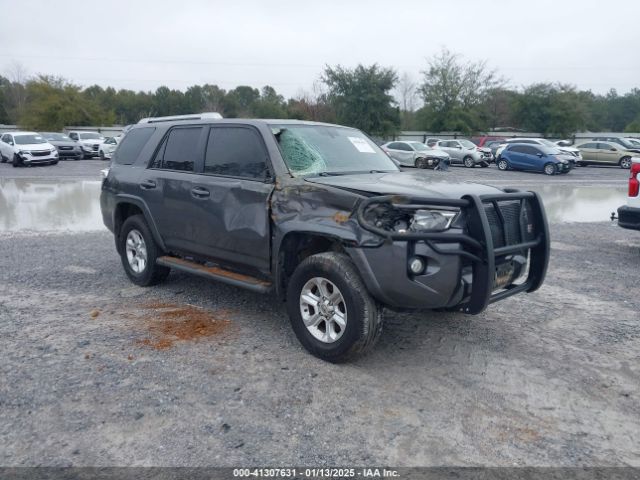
127	206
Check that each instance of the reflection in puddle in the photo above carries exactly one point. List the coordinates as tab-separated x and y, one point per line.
41	204
580	204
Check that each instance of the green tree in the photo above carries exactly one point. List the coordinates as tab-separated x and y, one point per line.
361	98
454	92
54	103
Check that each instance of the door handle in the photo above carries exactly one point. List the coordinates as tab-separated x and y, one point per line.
200	192
148	184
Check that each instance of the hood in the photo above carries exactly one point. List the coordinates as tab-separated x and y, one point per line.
63	143
434	152
91	141
35	146
569	149
418	184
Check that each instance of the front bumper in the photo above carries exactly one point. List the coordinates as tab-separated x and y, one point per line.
462	268
629	217
34	160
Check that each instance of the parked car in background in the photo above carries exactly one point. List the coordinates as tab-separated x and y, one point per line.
106	148
27	148
633	141
465	152
623	142
537	158
607	153
484	140
89	142
67	148
564	143
431	142
494	145
415	154
629	214
574	152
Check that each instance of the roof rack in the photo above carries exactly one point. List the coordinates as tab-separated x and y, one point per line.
191	116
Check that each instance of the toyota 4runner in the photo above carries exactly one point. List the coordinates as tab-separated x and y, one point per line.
319	215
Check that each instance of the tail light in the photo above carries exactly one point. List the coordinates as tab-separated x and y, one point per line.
634	181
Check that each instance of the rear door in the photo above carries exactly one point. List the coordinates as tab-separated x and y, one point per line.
403	153
230	198
168	185
514	154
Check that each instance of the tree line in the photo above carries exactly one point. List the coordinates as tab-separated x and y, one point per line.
452	94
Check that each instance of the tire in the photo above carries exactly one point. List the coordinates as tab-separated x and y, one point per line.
625	162
134	229
550	169
421	163
102	157
503	165
17	162
468	162
3	159
82	156
361	315
54	162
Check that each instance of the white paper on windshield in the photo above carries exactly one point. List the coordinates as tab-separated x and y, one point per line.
361	144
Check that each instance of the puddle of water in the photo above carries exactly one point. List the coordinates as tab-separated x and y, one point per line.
580	204
45	205
71	205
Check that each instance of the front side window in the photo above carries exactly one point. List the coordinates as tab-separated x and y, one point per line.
419	147
235	152
467	144
179	151
332	150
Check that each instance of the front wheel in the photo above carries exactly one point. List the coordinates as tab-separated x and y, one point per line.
138	253
17	161
102	157
331	312
468	162
625	162
503	165
3	159
550	169
421	163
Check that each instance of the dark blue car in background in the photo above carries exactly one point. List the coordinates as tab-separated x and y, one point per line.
537	158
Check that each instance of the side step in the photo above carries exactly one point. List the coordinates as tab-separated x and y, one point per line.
216	273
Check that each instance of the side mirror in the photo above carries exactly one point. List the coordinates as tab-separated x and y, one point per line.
11	142
540	154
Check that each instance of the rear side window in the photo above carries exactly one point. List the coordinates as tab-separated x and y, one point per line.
131	145
517	149
235	152
589	145
179	151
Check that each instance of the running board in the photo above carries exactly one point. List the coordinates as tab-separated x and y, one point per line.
216	273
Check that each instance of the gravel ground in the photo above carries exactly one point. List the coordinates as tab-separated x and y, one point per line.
98	372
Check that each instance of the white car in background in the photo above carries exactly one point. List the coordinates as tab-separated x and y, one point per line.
89	142
629	214
106	148
415	154
27	148
577	156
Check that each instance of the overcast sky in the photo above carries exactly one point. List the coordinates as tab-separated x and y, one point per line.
141	45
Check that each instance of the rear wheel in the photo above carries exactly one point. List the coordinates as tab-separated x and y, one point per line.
625	162
3	159
468	162
550	169
331	312
138	252
503	164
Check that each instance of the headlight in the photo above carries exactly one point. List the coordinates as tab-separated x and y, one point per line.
85	148
23	152
431	220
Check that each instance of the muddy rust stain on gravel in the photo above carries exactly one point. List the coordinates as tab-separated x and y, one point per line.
169	323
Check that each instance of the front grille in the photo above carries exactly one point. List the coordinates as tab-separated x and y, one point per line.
515	226
41	153
65	148
95	148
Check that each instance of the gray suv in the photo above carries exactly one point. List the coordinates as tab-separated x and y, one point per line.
320	216
465	152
